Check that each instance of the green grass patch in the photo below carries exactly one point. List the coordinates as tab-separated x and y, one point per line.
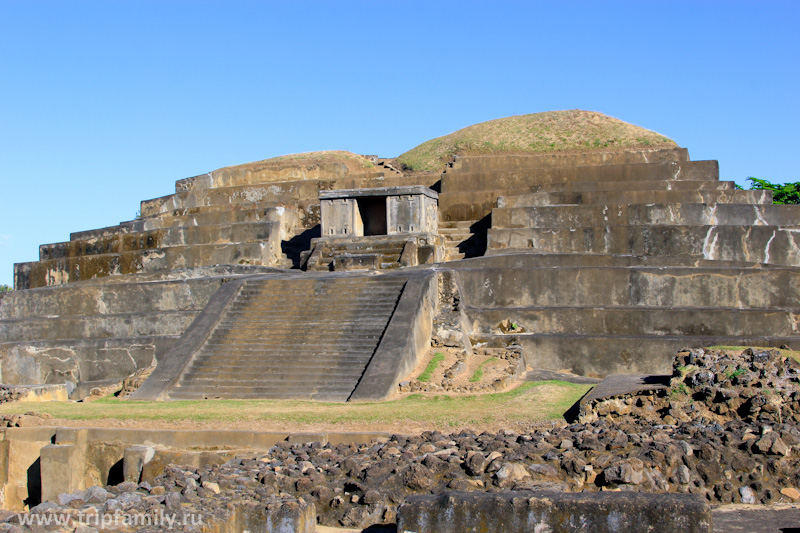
478	374
426	375
527	404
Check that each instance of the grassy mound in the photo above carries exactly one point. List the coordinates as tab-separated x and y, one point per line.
553	131
354	162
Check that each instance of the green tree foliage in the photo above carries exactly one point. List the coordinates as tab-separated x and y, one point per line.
787	193
5	288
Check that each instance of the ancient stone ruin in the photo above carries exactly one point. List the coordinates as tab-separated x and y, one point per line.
327	276
608	259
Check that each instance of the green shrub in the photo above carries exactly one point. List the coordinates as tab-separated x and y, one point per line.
786	193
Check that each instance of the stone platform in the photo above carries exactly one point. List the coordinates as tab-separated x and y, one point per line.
608	261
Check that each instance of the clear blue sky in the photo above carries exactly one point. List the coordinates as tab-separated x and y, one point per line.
106	103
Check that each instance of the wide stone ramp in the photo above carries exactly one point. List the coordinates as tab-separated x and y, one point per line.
293	339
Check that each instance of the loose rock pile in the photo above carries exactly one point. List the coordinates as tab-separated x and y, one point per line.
10	394
717	386
733	438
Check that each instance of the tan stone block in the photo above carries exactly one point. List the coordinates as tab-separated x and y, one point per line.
791	492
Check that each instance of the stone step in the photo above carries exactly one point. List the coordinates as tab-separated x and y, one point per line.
163	238
454	232
270	391
642	320
275	316
383	258
648	185
95	327
253	358
312	381
311	337
195	216
528	259
636	197
203	216
601	355
480	163
456	224
511	179
646	214
271	394
312	347
212	363
375	296
87	300
295	193
347	296
65	270
348	291
454	241
251	323
364	304
609	286
310	331
268	375
261	174
759	244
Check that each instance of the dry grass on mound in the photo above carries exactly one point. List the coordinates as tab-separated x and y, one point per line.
527	406
553	131
354	162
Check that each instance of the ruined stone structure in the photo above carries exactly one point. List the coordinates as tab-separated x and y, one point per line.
317	276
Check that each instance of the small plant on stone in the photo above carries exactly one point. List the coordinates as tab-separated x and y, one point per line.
679	390
734	373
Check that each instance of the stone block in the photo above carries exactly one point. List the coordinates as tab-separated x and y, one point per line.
62	468
357	262
134	460
522	512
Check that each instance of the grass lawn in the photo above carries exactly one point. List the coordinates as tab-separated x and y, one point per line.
527	406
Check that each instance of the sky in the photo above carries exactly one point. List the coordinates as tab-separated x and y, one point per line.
104	104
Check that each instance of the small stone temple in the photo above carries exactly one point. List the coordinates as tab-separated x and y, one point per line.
326	275
357	223
379	211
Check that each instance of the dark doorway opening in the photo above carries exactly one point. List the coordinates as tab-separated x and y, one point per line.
34	475
373	214
116	474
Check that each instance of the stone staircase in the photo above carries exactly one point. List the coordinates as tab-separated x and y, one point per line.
293	339
463	238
